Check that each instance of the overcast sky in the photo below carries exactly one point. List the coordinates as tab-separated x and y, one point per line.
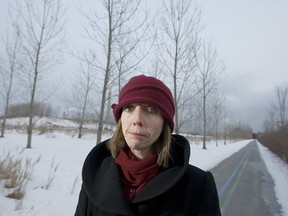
251	38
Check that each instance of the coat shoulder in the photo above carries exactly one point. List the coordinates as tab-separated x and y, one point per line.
196	174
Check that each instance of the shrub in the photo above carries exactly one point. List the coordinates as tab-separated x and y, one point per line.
52	173
277	142
16	173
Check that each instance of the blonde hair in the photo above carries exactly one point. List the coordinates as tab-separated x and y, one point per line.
161	146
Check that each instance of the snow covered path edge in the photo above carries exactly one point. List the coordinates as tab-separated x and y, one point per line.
278	169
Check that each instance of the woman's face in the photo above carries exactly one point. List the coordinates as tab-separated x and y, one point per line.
141	125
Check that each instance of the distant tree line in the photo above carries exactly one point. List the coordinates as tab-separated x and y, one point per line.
23	109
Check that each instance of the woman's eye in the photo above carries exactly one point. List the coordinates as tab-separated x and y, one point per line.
128	108
152	110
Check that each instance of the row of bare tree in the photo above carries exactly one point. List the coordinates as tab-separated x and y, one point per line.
124	39
277	112
32	47
275	135
179	56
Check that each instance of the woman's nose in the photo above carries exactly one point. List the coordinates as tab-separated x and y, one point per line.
138	116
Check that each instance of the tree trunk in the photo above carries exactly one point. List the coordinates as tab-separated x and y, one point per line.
105	84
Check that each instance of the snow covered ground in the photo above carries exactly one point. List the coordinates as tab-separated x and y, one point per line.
56	178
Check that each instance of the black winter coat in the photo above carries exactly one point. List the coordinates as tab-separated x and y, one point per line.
181	189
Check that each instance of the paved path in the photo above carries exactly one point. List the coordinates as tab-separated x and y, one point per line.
244	185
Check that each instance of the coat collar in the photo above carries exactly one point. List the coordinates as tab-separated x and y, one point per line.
102	182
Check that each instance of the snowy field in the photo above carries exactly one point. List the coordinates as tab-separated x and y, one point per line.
56	178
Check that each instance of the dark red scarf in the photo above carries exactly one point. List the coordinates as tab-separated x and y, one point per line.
136	173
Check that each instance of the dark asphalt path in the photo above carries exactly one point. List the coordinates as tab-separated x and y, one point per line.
244	185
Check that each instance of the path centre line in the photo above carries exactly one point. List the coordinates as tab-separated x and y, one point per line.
235	184
231	177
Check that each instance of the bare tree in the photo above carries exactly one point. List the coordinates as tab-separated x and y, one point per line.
12	45
218	114
177	44
277	111
282	94
83	87
129	51
41	32
270	124
106	30
225	126
210	73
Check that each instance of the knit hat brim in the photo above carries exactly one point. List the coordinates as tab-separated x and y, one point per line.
148	90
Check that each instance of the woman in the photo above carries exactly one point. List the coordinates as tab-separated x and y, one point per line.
143	169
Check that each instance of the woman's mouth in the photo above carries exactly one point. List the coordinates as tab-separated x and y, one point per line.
136	134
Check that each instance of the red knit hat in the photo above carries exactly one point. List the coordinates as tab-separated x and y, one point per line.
149	90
